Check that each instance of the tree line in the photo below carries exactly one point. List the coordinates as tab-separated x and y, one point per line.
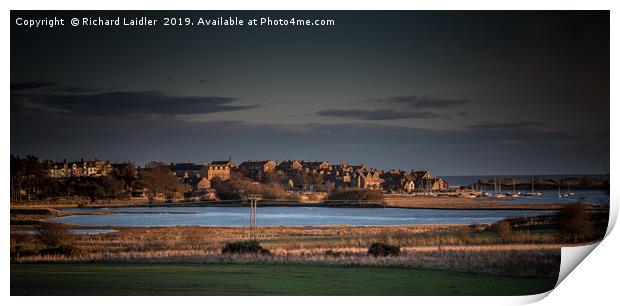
30	181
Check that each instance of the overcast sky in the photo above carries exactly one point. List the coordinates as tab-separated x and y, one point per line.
454	92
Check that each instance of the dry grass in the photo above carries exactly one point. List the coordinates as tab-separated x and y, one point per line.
423	246
543	263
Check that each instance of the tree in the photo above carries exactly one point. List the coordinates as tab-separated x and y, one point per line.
159	180
112	187
575	223
52	235
29	176
276	177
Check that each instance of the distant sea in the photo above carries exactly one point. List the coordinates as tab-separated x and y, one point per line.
547	197
463	180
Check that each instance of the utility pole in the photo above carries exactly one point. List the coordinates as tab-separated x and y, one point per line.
253	203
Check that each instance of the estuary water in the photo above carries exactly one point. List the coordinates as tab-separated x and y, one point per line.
285	216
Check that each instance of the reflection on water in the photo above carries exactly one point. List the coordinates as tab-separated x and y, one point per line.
289	216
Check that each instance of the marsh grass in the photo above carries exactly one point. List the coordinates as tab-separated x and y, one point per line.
523	253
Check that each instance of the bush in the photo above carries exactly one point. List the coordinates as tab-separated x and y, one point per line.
575	223
357	195
19	251
333	253
502	230
244	247
52	235
383	249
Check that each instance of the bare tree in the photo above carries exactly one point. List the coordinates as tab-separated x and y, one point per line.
52	235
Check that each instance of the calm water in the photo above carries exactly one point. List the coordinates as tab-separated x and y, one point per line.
462	180
292	216
595	197
86	231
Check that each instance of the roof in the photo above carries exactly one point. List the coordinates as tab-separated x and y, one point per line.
288	164
186	167
255	163
221	163
314	164
422	173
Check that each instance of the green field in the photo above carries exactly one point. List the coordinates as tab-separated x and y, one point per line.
237	279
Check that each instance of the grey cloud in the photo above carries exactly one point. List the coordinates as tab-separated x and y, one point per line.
77	89
423	102
121	103
506	125
380	114
30	85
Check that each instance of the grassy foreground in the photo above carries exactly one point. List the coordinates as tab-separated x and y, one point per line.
240	279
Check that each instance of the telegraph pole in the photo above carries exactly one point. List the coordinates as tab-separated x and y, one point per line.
253	203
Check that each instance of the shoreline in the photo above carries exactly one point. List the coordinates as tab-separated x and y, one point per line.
464	205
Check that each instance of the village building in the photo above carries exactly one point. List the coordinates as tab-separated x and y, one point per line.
289	167
186	170
202	190
203	183
79	168
367	179
315	166
125	169
219	169
397	180
426	181
256	169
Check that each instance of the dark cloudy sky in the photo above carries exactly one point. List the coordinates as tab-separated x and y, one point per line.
453	92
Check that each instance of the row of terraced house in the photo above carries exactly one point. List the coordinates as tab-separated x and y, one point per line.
332	176
341	175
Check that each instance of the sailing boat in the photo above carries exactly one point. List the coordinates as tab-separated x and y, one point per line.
533	193
568	188
514	193
499	193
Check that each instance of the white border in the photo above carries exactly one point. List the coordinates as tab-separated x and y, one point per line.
593	281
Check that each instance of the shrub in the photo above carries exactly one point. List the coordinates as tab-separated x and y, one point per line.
502	230
19	251
383	249
52	235
575	223
244	247
357	195
332	253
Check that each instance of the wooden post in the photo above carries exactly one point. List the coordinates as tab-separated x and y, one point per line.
253	203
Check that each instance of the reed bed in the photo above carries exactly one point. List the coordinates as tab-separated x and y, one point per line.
443	247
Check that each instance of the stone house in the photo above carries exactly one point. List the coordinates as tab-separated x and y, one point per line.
397	180
426	181
367	179
219	169
186	170
256	169
289	167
